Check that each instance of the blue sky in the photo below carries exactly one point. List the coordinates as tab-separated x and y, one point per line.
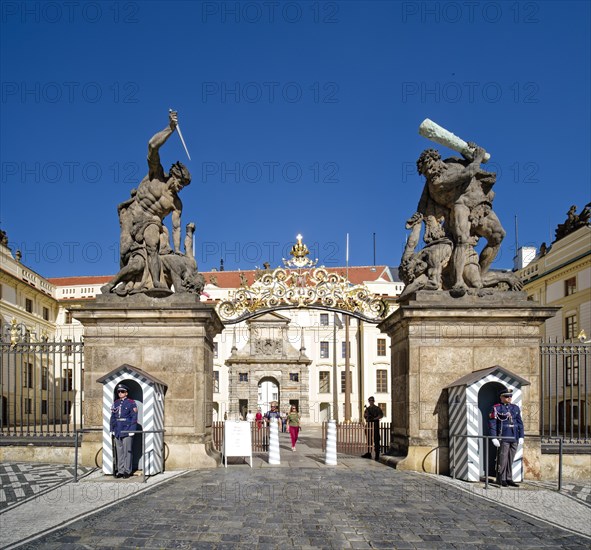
300	117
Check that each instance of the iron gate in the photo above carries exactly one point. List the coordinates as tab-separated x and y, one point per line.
41	384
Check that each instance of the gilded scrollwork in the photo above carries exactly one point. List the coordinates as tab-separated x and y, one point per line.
286	288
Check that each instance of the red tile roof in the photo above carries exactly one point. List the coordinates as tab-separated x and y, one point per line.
84	280
357	275
231	279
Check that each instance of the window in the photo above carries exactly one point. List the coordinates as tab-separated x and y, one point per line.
572	370
294	376
382	347
382	381
68	348
324	381
570	286
67	380
384	408
68	320
324	353
343	381
46	314
243	377
216	381
28	406
570	326
324	319
44	377
28	375
344	348
44	406
215	350
29	305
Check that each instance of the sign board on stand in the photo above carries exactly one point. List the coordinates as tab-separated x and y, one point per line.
237	440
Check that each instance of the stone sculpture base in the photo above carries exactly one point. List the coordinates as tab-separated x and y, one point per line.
436	339
171	339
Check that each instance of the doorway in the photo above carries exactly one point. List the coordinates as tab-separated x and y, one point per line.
137	394
268	392
487	397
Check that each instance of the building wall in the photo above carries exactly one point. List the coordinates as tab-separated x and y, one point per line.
306	323
34	386
546	282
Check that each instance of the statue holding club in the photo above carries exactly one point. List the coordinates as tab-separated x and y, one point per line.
456	210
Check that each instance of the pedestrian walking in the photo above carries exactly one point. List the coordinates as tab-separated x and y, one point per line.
294	426
274	415
506	423
372	415
258	418
284	422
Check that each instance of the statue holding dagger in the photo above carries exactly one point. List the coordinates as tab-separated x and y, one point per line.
144	237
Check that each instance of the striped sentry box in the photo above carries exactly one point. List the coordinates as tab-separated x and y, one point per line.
150	416
464	415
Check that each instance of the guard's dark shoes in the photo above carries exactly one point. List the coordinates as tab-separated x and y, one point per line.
119	475
504	484
125	476
366	455
512	484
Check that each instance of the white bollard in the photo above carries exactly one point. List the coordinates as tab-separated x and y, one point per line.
331	444
274	455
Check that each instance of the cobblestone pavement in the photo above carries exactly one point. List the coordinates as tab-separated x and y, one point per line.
308	508
299	504
575	489
20	481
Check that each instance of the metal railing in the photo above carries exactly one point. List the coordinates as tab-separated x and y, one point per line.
565	392
486	456
144	458
41	388
355	438
259	436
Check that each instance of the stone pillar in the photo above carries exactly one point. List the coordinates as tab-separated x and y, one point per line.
170	338
437	339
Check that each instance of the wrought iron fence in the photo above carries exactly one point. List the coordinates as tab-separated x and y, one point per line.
357	438
259	436
565	390
41	385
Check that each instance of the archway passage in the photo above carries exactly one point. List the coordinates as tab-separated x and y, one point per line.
267	368
268	393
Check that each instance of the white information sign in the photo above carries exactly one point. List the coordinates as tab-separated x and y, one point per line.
237	440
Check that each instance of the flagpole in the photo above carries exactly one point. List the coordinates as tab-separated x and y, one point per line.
347	362
335	390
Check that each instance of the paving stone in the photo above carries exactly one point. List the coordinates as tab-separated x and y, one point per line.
310	507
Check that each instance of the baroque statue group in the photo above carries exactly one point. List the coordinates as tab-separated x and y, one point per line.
148	263
453	214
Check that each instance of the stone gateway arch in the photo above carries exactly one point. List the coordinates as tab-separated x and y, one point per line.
456	315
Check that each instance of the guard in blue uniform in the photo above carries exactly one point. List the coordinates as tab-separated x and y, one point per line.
505	421
123	418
